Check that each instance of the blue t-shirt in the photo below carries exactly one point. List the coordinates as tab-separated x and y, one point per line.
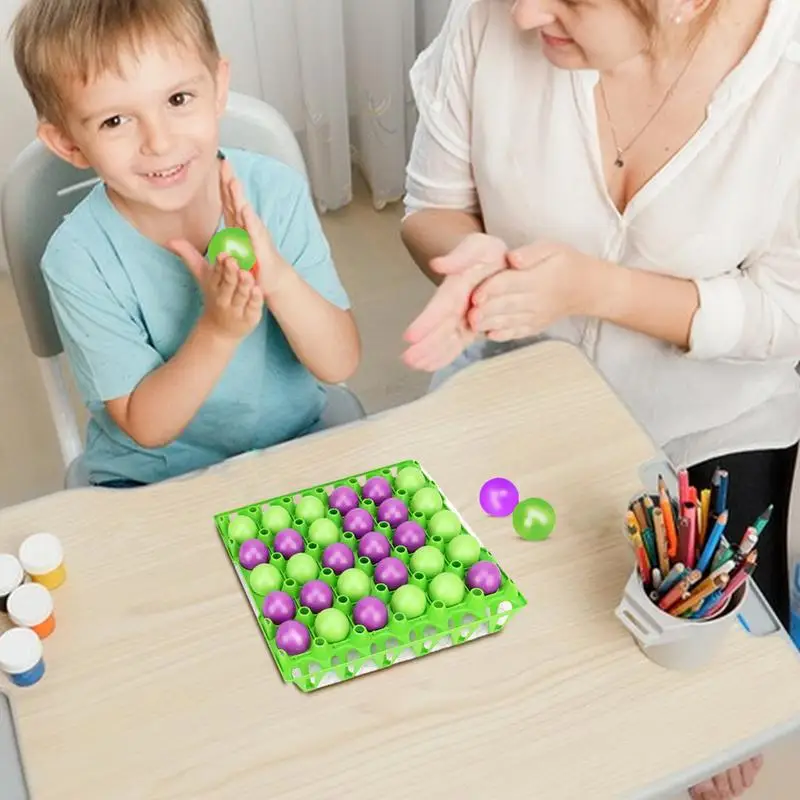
124	306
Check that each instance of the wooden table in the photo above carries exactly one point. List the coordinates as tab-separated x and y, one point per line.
159	685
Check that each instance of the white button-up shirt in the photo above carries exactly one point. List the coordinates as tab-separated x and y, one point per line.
503	131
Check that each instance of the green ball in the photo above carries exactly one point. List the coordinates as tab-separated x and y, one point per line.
409	600
236	243
265	578
410	478
302	568
310	509
427	560
464	548
242	528
332	625
353	584
444	523
448	588
276	518
427	500
534	519
323	532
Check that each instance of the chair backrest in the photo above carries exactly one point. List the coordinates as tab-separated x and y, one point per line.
40	189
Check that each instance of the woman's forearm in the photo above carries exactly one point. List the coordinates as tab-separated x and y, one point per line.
659	306
435	232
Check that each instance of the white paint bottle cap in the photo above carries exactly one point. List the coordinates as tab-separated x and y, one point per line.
30	605
41	553
20	650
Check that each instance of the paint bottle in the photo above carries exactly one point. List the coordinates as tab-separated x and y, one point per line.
22	656
31	606
11	576
42	557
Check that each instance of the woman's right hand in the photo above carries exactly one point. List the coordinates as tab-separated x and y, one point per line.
442	332
233	303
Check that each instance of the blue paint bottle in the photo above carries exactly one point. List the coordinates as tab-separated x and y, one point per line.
22	656
794	629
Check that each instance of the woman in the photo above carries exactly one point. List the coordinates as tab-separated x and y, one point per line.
625	175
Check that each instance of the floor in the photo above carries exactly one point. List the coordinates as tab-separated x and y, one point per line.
386	290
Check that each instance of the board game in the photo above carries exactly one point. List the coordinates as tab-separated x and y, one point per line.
363	573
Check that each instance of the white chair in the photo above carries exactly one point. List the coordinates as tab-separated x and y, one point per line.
40	189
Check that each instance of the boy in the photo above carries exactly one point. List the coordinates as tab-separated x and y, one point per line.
181	363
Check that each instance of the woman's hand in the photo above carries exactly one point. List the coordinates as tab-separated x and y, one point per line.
727	785
546	282
441	332
270	268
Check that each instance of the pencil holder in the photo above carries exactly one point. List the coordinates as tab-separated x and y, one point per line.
675	642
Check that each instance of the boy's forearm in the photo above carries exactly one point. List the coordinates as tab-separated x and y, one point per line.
323	337
167	400
435	232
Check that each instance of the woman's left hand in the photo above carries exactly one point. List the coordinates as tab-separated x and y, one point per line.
545	282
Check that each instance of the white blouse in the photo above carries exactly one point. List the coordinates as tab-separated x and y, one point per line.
503	131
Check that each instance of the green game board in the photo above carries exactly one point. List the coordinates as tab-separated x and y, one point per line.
362	651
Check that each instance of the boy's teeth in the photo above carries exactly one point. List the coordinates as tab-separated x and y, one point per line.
168	174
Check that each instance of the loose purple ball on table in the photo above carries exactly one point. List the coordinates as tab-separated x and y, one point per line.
253	552
343	499
288	543
498	497
485	575
377	489
394	511
293	637
374	546
391	572
358	521
338	557
316	595
410	535
278	607
371	613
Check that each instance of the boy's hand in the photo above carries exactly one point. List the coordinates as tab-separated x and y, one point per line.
233	303
270	269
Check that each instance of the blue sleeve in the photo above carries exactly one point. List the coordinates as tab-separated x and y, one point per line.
298	233
107	346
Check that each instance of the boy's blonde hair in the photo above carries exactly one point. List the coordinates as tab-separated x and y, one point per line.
61	40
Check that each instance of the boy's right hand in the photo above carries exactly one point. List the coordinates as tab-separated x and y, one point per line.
233	303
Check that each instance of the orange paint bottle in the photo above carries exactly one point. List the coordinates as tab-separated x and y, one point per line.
31	606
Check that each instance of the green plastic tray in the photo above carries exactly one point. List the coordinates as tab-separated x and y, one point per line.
362	652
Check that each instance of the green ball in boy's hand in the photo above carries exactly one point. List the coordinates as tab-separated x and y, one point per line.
237	244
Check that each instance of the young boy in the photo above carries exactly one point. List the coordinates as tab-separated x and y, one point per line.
181	363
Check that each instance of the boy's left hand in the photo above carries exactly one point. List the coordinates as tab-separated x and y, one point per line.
270	269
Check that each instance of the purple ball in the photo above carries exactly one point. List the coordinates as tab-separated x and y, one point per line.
371	613
498	497
391	572
410	535
375	546
316	595
293	637
358	521
338	557
394	511
343	499
288	543
278	607
484	575
377	489
253	552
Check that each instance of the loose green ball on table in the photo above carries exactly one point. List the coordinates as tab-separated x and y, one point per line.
324	532
444	523
302	568
242	528
353	584
427	501
464	548
236	242
265	578
447	588
276	518
409	600
427	560
310	509
534	519
411	479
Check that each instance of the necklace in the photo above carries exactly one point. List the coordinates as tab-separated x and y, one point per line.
619	162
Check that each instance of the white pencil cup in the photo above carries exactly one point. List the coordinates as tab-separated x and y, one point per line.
674	642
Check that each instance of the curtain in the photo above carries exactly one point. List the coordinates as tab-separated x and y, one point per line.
338	71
